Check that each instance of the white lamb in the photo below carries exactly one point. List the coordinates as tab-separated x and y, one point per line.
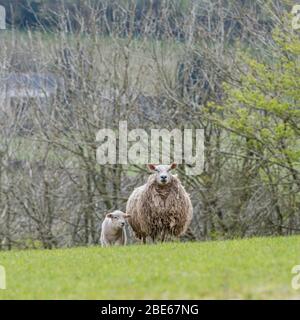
113	230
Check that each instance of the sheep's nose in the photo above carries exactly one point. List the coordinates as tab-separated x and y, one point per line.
122	224
163	177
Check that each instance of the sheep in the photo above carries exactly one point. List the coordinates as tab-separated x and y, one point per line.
161	207
113	229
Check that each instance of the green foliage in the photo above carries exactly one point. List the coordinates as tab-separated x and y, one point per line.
261	114
264	108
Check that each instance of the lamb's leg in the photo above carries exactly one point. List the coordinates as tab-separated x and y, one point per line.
104	243
121	241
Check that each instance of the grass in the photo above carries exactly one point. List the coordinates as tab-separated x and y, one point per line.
257	268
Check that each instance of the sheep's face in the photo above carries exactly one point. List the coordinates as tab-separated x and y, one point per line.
118	219
162	173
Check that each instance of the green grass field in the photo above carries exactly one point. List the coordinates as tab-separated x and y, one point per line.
257	268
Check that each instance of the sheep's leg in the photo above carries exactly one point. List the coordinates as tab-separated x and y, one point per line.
163	236
144	239
153	240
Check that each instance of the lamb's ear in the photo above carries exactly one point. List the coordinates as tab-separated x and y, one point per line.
151	166
109	215
173	166
127	215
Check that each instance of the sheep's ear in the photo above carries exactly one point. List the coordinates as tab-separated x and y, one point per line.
127	215
109	215
151	166
173	165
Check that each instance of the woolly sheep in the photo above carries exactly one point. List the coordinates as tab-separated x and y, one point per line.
113	229
161	207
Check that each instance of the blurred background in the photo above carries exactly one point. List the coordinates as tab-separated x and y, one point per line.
70	68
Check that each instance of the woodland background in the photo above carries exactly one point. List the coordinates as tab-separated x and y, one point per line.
70	68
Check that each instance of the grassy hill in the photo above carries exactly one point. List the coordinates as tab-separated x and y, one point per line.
257	268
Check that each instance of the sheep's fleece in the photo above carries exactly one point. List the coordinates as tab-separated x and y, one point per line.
159	210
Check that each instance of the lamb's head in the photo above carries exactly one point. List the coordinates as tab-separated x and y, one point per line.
162	173
118	218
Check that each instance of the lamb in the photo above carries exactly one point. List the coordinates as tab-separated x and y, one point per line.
161	207
113	229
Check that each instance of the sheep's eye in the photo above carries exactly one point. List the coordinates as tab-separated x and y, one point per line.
156	170
116	218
